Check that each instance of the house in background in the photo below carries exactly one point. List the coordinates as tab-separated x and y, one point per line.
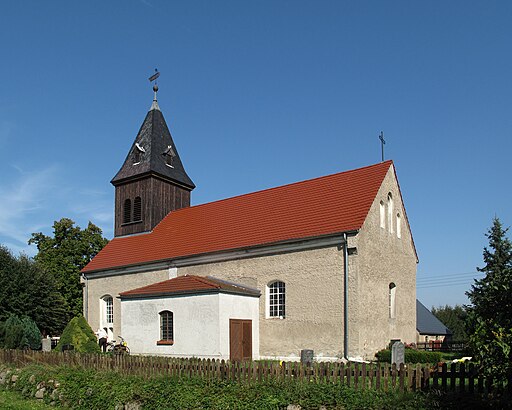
327	264
430	330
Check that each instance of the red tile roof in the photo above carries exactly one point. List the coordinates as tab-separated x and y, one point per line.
317	207
189	284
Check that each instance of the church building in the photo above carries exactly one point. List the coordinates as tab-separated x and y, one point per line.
327	264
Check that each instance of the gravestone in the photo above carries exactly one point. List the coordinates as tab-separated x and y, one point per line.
46	345
398	353
306	357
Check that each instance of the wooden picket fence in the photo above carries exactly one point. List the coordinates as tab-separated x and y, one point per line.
380	376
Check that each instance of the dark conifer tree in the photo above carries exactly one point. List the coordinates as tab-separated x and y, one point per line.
490	315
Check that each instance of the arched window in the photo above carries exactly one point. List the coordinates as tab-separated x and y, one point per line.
137	209
276	299
390	212
398	226
382	215
166	326
107	311
392	300
127	211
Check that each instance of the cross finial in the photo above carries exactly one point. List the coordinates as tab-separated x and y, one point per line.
382	142
154	106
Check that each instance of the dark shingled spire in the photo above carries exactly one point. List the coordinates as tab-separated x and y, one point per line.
154	153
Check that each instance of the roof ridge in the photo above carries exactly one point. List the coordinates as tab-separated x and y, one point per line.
390	162
205	281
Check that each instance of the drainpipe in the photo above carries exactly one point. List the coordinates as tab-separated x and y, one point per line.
345	296
86	298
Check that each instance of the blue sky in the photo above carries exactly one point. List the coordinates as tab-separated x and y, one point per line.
259	94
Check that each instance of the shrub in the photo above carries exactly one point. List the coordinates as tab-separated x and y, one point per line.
79	334
31	337
13	329
411	356
2	334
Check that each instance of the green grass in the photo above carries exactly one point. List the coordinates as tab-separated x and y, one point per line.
89	389
11	400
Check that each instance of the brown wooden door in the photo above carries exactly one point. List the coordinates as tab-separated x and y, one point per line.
240	339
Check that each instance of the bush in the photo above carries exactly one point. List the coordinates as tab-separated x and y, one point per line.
13	329
2	334
411	356
31	337
79	334
18	333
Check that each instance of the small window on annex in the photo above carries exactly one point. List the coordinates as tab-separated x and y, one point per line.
392	300
398	226
166	327
127	211
276	299
137	209
107	311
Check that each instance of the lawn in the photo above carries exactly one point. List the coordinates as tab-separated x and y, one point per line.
11	400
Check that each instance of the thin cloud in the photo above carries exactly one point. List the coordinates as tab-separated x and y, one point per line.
23	198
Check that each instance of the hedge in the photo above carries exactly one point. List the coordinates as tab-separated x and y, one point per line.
411	356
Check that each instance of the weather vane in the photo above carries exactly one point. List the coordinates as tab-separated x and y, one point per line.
154	76
382	142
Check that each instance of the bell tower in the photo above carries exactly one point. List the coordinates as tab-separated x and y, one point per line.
152	180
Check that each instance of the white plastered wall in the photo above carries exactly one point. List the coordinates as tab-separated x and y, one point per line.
201	324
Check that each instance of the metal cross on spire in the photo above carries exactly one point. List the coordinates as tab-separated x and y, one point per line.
382	142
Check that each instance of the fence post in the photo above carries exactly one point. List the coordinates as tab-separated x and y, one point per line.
462	378
453	375
401	377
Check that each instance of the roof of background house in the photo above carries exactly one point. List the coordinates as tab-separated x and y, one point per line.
189	284
427	323
317	207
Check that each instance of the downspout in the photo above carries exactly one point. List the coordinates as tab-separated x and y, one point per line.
345	296
86	297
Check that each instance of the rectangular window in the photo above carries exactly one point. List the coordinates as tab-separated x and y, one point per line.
277	299
166	326
109	310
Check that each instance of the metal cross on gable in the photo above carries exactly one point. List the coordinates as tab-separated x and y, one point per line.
382	142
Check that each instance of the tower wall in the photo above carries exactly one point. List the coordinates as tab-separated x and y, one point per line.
158	198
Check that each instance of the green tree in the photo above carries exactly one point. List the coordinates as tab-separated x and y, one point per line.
454	318
79	334
26	291
31	337
490	315
13	329
64	254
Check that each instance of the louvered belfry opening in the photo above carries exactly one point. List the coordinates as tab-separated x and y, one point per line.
127	211
137	209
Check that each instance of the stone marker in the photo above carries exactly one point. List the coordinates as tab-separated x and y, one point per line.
47	345
398	353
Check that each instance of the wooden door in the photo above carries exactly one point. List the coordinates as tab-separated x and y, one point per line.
240	339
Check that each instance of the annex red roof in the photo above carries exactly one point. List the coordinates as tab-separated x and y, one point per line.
189	284
327	205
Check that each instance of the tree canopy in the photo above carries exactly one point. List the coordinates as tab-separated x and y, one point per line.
25	290
64	254
490	315
454	318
